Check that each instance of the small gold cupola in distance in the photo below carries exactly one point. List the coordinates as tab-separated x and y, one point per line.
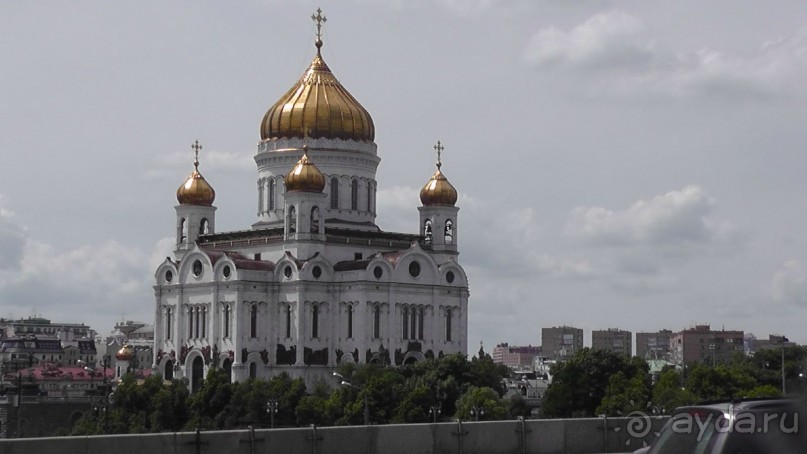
196	190
438	191
305	176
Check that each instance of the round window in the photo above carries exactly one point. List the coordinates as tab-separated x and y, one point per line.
414	269
378	272
226	272
317	272
169	276
287	271
450	277
197	268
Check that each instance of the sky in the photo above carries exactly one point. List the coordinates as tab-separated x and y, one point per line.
620	164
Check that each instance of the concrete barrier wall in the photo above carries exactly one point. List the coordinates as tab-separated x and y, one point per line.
568	436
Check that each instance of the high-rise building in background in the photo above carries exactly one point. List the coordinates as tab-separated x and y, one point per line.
702	344
654	345
560	342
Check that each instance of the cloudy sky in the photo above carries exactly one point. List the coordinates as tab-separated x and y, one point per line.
627	164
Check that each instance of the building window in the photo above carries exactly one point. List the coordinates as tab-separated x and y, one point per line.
349	321
405	328
448	325
315	220
168	322
261	183
197	315
190	323
288	321
204	322
182	234
354	195
315	322
413	323
271	195
227	320
376	322
449	232
292	219
334	193
369	197
427	230
253	370
420	323
253	321
204	227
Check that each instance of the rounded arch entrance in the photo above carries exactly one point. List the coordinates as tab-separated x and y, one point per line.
197	373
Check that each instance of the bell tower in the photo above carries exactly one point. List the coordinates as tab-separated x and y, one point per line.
196	214
438	214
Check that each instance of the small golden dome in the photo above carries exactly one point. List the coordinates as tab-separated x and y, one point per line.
125	353
305	176
319	104
438	191
196	190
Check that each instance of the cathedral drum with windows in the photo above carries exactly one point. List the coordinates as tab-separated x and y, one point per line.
314	282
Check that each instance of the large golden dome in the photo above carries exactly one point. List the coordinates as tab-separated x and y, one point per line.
126	353
196	190
320	105
438	191
305	176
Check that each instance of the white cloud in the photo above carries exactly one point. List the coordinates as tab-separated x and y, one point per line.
611	39
790	283
675	218
618	42
177	162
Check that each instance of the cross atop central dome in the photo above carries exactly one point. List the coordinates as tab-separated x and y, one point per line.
318	104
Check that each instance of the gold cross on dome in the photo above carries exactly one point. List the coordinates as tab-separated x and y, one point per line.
320	20
196	146
439	147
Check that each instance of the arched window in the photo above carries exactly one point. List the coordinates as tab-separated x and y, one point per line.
449	232
261	184
204	227
405	328
349	321
376	322
369	197
315	220
227	320
197	315
190	322
253	370
168	322
334	193
253	321
420	323
427	230
413	321
354	195
271	195
288	321
448	325
183	232
315	322
204	322
292	219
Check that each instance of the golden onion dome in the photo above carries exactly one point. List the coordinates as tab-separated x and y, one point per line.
196	190
319	104
438	191
305	176
125	353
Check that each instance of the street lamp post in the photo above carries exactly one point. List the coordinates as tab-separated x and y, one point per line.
103	407
363	391
476	412
271	408
434	411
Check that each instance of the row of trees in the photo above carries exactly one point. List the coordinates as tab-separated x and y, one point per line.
449	387
597	382
591	383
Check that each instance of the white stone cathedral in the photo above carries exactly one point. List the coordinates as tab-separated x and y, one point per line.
314	282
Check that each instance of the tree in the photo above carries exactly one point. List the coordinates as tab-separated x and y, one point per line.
482	403
580	383
668	393
624	395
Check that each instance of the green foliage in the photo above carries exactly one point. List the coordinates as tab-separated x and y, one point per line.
580	384
669	394
484	400
720	382
624	395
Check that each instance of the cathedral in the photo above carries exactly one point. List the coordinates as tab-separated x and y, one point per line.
314	282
